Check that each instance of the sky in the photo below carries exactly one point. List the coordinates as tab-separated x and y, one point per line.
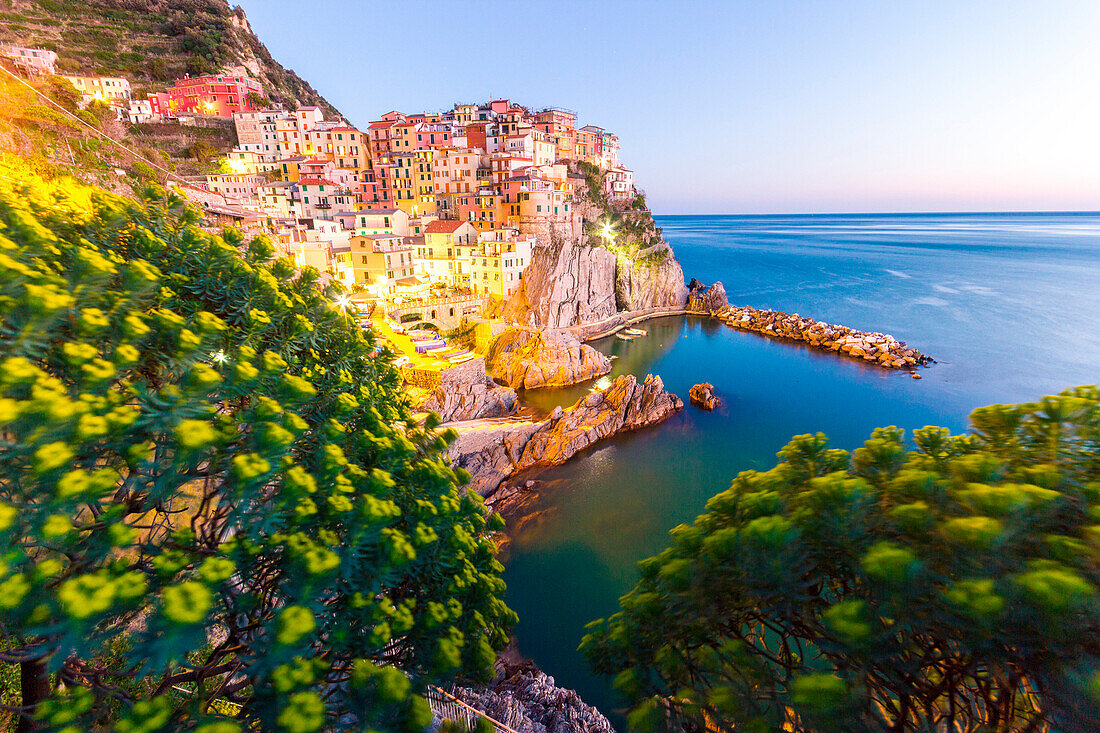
770	106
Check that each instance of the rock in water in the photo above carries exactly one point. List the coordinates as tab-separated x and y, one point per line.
702	395
707	300
526	358
493	454
467	393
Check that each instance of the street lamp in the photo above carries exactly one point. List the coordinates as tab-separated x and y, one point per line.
607	231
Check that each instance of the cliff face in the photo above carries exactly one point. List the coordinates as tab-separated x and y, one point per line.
652	278
566	283
613	260
525	358
493	454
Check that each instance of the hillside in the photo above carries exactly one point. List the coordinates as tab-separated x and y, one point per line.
152	42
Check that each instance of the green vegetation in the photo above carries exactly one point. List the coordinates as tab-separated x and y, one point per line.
216	512
53	143
948	587
151	41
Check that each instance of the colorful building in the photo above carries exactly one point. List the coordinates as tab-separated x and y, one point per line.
220	95
33	61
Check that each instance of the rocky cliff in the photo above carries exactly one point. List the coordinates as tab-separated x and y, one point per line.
614	260
528	701
467	393
492	453
525	358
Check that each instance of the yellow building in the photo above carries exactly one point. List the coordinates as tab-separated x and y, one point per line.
382	263
110	89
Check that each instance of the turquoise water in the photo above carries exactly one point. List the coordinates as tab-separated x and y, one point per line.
1009	304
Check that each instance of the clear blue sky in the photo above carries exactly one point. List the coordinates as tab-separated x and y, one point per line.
750	107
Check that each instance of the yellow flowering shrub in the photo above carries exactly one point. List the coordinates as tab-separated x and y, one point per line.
193	437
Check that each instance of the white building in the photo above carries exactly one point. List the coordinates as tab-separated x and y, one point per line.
34	61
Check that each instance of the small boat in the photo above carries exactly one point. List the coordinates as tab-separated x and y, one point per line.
635	332
624	337
461	359
401	361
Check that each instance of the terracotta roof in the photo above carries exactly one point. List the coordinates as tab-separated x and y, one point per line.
444	226
382	123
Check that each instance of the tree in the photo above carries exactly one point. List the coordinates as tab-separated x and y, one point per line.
949	587
257	101
210	482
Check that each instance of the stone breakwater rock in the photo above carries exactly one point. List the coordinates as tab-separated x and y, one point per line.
528	701
876	348
702	395
467	393
491	453
702	299
526	358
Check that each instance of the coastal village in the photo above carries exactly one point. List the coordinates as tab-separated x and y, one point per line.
432	209
432	223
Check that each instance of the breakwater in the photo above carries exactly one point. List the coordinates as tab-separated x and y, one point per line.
880	349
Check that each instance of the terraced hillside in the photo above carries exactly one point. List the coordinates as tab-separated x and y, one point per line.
152	42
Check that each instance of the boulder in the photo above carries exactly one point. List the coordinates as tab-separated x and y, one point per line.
467	393
526	358
707	300
702	395
493	454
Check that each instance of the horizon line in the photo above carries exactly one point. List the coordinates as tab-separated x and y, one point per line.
1095	212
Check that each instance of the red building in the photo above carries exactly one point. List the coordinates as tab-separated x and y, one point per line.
217	94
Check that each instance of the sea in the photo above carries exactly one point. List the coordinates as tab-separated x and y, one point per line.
1007	304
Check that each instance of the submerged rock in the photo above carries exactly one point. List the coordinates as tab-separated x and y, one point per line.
526	358
702	395
492	453
467	393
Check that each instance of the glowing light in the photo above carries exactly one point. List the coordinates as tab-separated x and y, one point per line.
219	356
607	231
343	301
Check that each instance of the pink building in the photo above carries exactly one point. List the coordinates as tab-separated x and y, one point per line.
217	94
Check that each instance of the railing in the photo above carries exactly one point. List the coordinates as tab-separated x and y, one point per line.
446	706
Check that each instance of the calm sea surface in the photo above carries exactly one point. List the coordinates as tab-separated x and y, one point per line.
1009	304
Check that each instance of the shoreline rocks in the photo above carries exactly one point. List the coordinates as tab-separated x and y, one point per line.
467	393
880	349
492	452
527	358
702	396
702	299
526	700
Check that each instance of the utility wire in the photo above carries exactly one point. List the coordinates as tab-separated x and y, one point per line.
102	134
